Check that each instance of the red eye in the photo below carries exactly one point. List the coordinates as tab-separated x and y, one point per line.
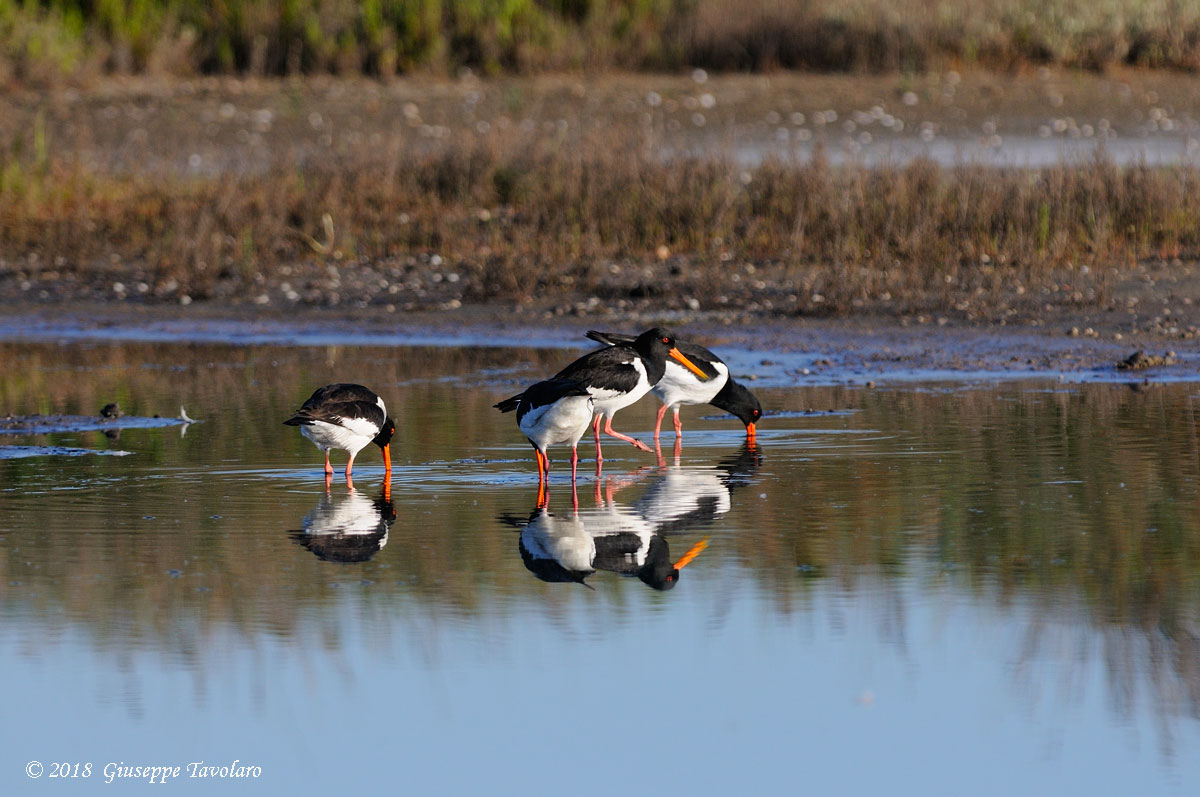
666	340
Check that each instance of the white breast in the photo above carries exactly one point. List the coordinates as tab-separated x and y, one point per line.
683	491
353	436
564	421
609	401
354	514
681	386
560	539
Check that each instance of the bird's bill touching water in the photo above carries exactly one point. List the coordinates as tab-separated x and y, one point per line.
692	553
688	364
750	432
387	459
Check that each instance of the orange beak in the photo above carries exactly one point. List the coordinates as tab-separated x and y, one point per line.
387	459
688	364
750	432
692	553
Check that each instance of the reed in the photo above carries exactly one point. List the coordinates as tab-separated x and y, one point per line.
561	220
70	39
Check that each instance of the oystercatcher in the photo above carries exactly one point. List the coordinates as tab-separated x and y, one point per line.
352	529
618	376
346	417
678	386
554	411
569	549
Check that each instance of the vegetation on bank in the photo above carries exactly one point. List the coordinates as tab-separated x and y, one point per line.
53	40
515	221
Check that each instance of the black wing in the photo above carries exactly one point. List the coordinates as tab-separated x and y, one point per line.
339	393
702	357
509	404
610	338
548	392
332	403
604	369
618	552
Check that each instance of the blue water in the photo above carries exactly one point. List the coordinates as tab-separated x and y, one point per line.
931	590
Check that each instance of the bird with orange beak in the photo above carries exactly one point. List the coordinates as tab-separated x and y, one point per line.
619	375
347	417
680	386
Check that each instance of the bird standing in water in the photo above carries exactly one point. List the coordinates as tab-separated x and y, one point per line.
347	417
678	386
549	412
618	376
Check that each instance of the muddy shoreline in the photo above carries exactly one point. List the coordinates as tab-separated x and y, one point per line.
778	351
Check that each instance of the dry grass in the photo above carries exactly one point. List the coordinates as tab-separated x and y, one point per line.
49	41
515	222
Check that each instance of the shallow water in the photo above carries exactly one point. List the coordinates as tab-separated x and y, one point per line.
986	588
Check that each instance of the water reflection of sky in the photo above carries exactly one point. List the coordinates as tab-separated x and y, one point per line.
891	689
930	590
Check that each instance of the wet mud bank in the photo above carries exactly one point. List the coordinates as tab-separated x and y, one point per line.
777	351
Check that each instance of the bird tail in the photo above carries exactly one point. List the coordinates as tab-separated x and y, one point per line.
299	419
509	404
609	338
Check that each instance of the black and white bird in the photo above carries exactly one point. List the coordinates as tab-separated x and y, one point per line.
679	386
618	376
554	411
351	529
611	537
347	417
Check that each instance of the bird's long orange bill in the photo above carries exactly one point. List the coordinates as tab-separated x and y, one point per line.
387	458
750	432
692	553
688	364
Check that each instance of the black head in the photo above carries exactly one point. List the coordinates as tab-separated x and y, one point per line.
385	434
657	339
737	400
658	572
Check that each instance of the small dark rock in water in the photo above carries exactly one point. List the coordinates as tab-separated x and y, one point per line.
1139	360
111	410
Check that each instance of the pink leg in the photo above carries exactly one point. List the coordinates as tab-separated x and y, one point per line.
658	421
611	431
596	432
574	488
678	425
349	466
328	467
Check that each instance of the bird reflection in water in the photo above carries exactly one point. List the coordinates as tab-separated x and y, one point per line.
631	539
349	529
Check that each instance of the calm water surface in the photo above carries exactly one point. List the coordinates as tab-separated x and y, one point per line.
925	589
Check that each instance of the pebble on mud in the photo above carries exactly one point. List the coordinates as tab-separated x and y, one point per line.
1139	360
